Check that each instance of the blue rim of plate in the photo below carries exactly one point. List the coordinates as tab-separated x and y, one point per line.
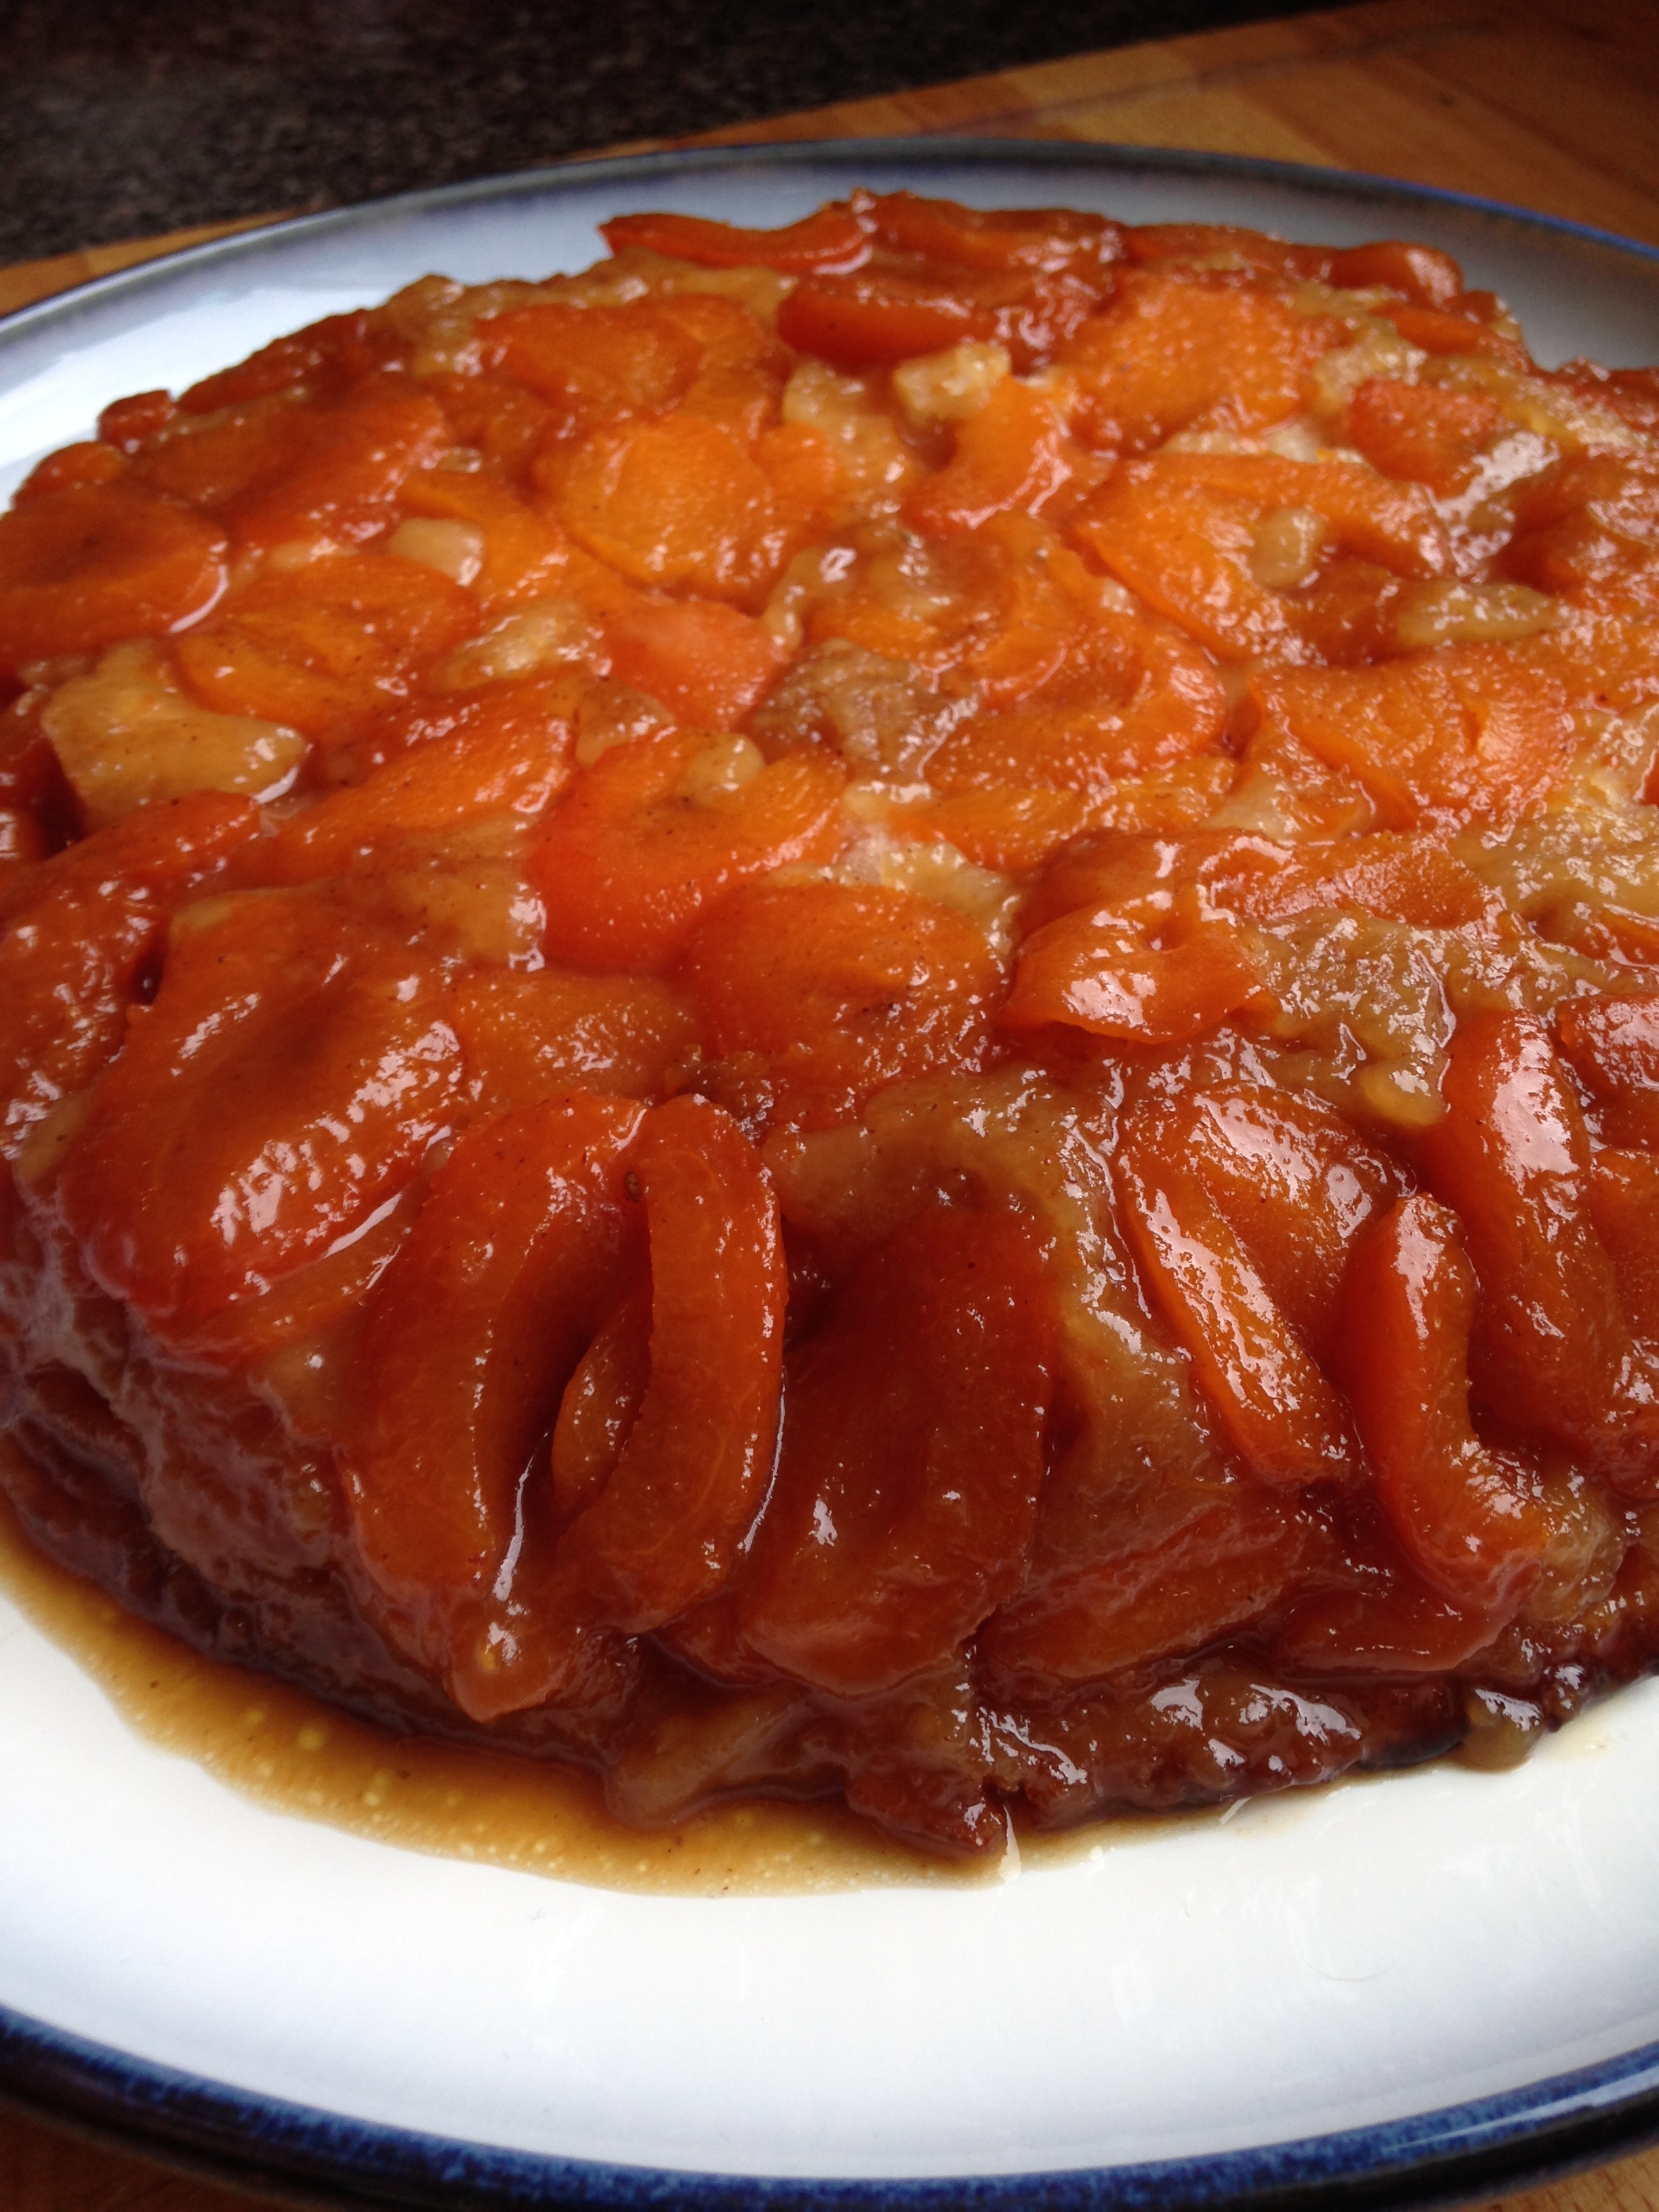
1486	2148
305	2155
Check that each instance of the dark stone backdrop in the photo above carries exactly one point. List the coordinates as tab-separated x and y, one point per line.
121	117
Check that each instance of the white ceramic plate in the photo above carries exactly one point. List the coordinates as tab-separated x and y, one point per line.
1445	1978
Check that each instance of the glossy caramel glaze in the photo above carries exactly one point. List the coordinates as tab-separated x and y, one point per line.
867	1014
279	1744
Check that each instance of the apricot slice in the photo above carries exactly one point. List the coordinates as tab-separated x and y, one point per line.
1142	876
309	1304
744	369
1394	523
626	864
1585	528
524	555
469	1341
600	1405
81	570
1554	1351
841	990
507	762
1613	1045
1443	738
1198	248
1422	274
319	647
1423	431
832	237
79	934
912	1456
1435	331
73	468
1010	455
1623	1201
1167	352
679	502
525	1037
1218	1570
1416	878
660	1530
126	424
1407	1310
589	364
212	463
878	315
664	1531
323	357
1090	970
1049	240
1298	1187
500	418
1015	626
1283	1417
159	851
1181	531
707	662
1014	831
1411	878
1387	1622
288	1079
1185	549
1129	697
337	471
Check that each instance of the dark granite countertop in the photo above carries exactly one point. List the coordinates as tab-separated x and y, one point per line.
119	119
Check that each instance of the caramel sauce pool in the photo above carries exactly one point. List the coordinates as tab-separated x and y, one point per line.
290	1752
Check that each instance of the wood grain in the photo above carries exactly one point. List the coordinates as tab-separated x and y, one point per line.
1549	103
44	2169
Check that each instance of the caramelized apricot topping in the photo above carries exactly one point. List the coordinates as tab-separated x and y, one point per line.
866	1009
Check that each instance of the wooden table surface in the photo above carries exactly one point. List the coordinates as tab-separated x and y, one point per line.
1553	104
